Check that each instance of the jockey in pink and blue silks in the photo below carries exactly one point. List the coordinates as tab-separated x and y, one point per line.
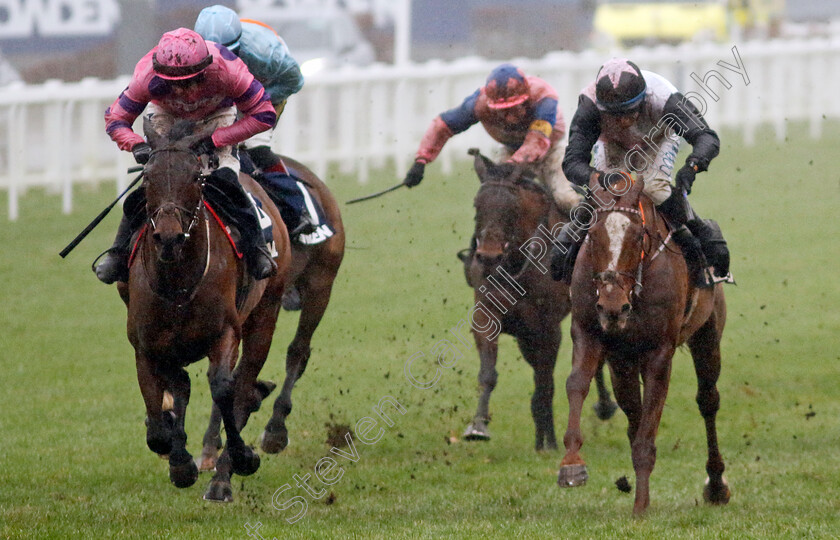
186	77
520	112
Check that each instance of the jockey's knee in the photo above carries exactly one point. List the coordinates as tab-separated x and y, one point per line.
566	199
658	189
264	158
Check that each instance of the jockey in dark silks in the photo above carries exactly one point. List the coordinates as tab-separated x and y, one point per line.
631	121
186	77
269	60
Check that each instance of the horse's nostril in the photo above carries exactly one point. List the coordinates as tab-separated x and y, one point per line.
599	307
488	258
625	308
156	236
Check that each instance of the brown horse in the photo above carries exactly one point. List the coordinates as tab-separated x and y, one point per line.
633	305
313	270
189	297
513	215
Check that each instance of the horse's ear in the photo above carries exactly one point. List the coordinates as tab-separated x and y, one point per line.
481	163
516	173
154	138
635	190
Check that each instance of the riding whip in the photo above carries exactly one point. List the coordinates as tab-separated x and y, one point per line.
81	236
373	196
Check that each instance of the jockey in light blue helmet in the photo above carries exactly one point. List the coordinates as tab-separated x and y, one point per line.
269	60
220	24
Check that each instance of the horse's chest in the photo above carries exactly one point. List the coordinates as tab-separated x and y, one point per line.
185	339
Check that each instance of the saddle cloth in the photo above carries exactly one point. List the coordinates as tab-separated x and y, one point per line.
292	195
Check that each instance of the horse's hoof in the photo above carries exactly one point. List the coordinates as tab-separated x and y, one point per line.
716	494
605	410
244	462
476	432
219	492
540	446
206	462
572	476
274	442
183	475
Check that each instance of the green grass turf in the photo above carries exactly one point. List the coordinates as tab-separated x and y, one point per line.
72	442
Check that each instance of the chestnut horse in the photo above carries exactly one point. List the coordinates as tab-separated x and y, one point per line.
513	287
633	305
188	297
313	271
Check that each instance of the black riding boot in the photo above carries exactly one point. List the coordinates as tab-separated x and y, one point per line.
228	194
564	251
114	266
305	225
675	210
713	244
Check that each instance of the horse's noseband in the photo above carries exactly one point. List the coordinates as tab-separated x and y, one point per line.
170	207
611	277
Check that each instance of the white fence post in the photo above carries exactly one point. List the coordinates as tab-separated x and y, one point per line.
361	118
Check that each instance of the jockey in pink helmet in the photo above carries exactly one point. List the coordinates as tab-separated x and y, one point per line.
186	77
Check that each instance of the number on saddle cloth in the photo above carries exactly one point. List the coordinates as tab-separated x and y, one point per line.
265	224
292	198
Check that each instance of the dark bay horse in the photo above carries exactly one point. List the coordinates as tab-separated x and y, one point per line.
517	291
633	305
313	270
189	297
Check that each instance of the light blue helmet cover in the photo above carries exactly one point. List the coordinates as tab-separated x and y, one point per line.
220	24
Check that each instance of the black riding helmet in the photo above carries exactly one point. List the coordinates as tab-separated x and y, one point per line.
619	87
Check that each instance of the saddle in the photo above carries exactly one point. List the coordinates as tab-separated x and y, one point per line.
293	196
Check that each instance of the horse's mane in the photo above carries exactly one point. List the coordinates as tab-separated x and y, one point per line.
179	130
501	173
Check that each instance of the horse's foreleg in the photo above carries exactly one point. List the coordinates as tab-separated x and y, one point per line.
315	290
625	383
212	441
158	424
587	354
488	351
605	407
705	350
656	373
236	456
541	354
182	470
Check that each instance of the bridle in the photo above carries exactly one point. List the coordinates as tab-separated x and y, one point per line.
611	276
188	219
170	206
514	187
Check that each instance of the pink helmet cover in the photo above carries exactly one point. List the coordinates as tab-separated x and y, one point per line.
181	54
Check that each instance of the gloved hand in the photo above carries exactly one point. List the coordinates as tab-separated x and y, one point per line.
415	174
686	176
204	146
142	152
